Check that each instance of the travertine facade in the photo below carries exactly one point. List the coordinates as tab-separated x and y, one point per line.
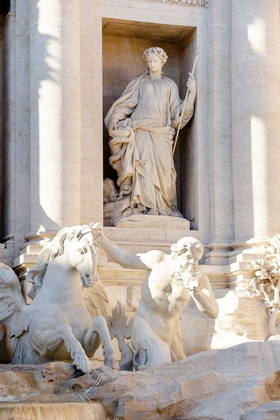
62	66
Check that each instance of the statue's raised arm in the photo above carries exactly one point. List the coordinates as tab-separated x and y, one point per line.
119	255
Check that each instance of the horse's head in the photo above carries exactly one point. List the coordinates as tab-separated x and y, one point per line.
79	245
83	251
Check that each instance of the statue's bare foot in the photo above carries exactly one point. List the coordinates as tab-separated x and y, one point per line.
153	212
142	208
135	210
175	212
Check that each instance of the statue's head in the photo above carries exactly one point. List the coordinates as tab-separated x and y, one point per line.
155	57
79	245
187	250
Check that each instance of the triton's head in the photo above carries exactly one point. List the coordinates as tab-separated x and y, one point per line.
187	249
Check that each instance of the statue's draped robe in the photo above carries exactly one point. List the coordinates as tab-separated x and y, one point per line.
153	110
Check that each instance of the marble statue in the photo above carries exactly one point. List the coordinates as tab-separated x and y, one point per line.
171	280
141	124
265	285
61	323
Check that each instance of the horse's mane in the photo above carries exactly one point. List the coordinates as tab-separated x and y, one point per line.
50	251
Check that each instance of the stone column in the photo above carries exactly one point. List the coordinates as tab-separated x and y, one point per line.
221	193
55	114
255	120
1	133
92	115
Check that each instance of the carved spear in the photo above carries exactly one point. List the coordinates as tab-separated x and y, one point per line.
184	106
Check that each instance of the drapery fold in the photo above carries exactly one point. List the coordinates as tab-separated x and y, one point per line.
150	111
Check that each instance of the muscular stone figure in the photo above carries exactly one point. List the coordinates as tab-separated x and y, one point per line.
171	280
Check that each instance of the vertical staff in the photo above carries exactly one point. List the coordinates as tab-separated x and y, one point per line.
184	106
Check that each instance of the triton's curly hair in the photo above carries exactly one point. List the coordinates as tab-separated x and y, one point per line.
187	244
186	252
156	50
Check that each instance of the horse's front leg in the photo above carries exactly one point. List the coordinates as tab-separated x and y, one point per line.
98	332
47	343
2	333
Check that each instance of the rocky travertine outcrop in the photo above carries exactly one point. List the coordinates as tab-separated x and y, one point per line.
240	382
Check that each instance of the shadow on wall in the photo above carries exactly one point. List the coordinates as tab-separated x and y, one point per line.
4	9
28	64
1	129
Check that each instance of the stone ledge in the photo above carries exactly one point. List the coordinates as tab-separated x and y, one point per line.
155	222
52	411
219	275
147	235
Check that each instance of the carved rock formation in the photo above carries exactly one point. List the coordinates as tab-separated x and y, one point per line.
241	382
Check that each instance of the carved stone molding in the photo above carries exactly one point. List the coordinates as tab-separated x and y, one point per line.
203	3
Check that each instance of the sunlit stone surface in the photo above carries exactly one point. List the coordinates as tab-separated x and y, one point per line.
62	66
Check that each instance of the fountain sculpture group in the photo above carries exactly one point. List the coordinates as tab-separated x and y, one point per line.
60	323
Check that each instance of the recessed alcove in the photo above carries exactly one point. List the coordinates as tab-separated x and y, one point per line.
123	45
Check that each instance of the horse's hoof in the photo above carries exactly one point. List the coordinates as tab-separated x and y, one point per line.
84	365
112	363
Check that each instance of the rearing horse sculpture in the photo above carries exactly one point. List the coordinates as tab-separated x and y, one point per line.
58	324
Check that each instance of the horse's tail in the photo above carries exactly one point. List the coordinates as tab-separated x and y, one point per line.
118	327
35	275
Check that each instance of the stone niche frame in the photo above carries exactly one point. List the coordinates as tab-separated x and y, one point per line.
123	43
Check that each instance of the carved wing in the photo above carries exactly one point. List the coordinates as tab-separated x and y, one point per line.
118	327
96	300
12	304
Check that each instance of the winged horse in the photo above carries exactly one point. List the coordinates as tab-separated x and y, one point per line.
59	324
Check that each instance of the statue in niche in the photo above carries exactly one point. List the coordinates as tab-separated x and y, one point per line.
170	282
141	125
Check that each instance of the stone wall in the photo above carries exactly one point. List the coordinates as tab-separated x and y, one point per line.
1	127
64	63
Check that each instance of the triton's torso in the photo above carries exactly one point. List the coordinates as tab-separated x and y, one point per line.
162	292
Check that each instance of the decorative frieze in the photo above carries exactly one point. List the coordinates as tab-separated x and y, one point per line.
185	2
